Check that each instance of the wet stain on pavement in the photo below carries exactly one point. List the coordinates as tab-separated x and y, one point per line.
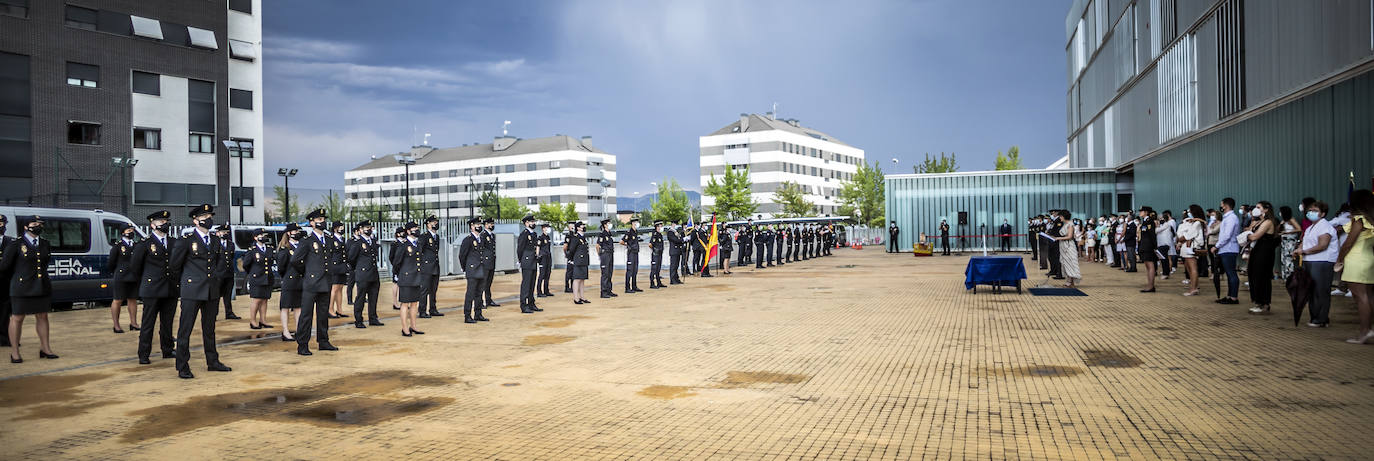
1109	358
307	404
20	392
509	384
542	340
1047	371
666	392
561	322
64	410
737	379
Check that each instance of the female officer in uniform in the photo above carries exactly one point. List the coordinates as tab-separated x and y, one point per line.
405	263
290	303
259	268
26	260
581	258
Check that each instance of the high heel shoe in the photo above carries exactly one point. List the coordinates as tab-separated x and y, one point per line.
18	360
1363	339
405	333
255	327
118	331
577	301
45	355
133	327
416	332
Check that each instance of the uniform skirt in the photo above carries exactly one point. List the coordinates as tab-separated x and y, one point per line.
1147	255
25	305
290	299
579	272
339	279
260	291
411	294
125	290
726	253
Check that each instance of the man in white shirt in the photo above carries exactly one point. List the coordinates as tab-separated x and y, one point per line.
1319	252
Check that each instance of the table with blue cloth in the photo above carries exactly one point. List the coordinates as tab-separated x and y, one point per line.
998	271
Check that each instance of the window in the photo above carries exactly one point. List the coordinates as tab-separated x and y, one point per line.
555	164
433	175
241	50
554	199
200	96
17	8
510	168
83	133
148	138
241	99
554	182
385	179
510	184
813	171
146	28
434	189
83	75
147	83
453	188
452	173
202	38
242	6
246	153
241	196
160	193
531	166
467	171
486	170
372	194
65	235
202	143
532	183
83	191
114	230
82	18
531	201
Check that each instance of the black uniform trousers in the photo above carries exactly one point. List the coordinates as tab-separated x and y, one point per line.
160	312
944	244
674	260
365	293
567	277
429	285
743	252
486	285
527	281
655	266
541	285
769	253
1043	244
1006	243
207	310
892	244
473	297
223	292
320	300
1035	248
758	261
631	270
1055	268
607	269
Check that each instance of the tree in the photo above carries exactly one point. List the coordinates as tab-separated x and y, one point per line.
1012	161
934	165
863	196
294	205
369	209
509	208
793	201
556	214
333	206
732	195
670	203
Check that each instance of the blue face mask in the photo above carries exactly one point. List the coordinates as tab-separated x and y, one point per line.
1313	216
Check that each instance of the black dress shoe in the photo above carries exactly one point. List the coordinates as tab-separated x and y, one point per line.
131	327
359	325
395	307
264	325
480	319
577	301
45	355
423	315
567	290
219	367
231	316
416	332
612	294
375	323
405	333
144	361
586	301
328	347
604	295
18	360
304	352
255	327
469	320
492	304
169	356
185	374
118	331
525	310
286	339
536	309
436	314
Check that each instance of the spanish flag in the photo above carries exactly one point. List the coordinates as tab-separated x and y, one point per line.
712	246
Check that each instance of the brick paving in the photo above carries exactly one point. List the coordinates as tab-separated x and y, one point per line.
862	355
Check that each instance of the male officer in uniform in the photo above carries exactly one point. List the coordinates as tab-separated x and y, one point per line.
567	257
311	260
1056	224
541	285
704	262
194	257
727	246
527	250
746	243
760	244
429	269
362	263
157	286
605	246
689	239
1033	238
1004	232
222	276
474	271
631	241
489	252
780	241
675	245
656	256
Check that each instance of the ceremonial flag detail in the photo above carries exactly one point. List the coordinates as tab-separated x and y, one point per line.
712	246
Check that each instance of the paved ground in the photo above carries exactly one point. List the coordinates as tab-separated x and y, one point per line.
858	356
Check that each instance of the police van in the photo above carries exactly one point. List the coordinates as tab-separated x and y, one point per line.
81	242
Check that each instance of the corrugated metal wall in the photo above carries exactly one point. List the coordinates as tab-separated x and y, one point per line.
1304	148
918	203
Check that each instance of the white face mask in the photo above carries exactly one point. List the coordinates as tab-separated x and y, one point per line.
1256	212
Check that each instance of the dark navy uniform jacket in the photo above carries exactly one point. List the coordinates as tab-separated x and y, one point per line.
338	254
406	263
224	266
489	250
471	254
656	243
676	241
153	262
525	248
258	266
311	259
429	253
290	276
577	247
545	246
605	244
362	259
121	259
194	257
27	265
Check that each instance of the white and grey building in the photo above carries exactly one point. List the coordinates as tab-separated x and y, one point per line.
126	104
448	182
777	151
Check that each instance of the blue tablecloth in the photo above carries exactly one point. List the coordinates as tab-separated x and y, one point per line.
986	270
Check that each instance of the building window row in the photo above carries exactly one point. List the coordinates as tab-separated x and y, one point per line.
820	153
818	172
530	183
246	103
16	8
136	26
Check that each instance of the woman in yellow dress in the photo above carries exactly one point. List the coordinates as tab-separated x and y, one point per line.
1356	260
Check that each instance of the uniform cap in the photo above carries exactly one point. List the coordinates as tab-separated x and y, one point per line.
202	209
527	218
317	213
336	224
364	223
259	231
160	214
412	225
222	227
544	225
488	221
431	219
658	223
472	221
292	227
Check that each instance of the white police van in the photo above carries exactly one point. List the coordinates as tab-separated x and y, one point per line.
81	242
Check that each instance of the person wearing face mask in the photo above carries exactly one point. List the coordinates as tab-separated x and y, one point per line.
429	268
1148	245
291	279
489	252
675	255
123	280
361	257
5	241
631	241
398	239
26	260
195	257
223	274
656	256
1166	238
312	259
527	253
1264	235
337	247
541	286
568	234
406	262
259	266
746	244
1318	252
157	286
1227	249
605	245
1033	236
474	271
762	240
581	259
1289	234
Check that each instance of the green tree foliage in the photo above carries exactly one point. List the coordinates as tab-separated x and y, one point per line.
369	209
793	201
1011	161
937	165
508	208
555	214
670	204
333	206
294	210
863	196
732	195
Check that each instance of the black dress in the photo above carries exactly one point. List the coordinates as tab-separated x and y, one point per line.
1261	269
27	264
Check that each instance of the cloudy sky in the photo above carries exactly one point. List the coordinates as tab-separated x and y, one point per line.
346	79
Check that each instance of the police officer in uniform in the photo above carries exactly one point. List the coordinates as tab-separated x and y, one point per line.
541	286
631	241
568	257
674	255
474	271
157	286
727	246
656	256
579	259
26	262
703	261
489	252
312	260
259	269
762	244
291	279
605	245
194	257
362	263
527	250
123	280
405	270
338	269
222	276
746	239
779	240
689	257
429	269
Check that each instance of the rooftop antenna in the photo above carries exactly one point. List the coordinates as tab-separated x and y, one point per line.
426	139
504	128
775	110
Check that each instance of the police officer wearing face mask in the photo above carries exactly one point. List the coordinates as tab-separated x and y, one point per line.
746	243
26	262
194	258
259	266
541	285
674	255
631	241
123	280
605	244
429	268
489	252
223	274
312	260
656	256
338	269
527	251
157	286
361	258
474	271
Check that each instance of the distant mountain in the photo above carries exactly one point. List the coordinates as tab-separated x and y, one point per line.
644	202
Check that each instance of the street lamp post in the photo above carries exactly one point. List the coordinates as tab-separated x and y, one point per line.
124	164
406	160
239	149
286	184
